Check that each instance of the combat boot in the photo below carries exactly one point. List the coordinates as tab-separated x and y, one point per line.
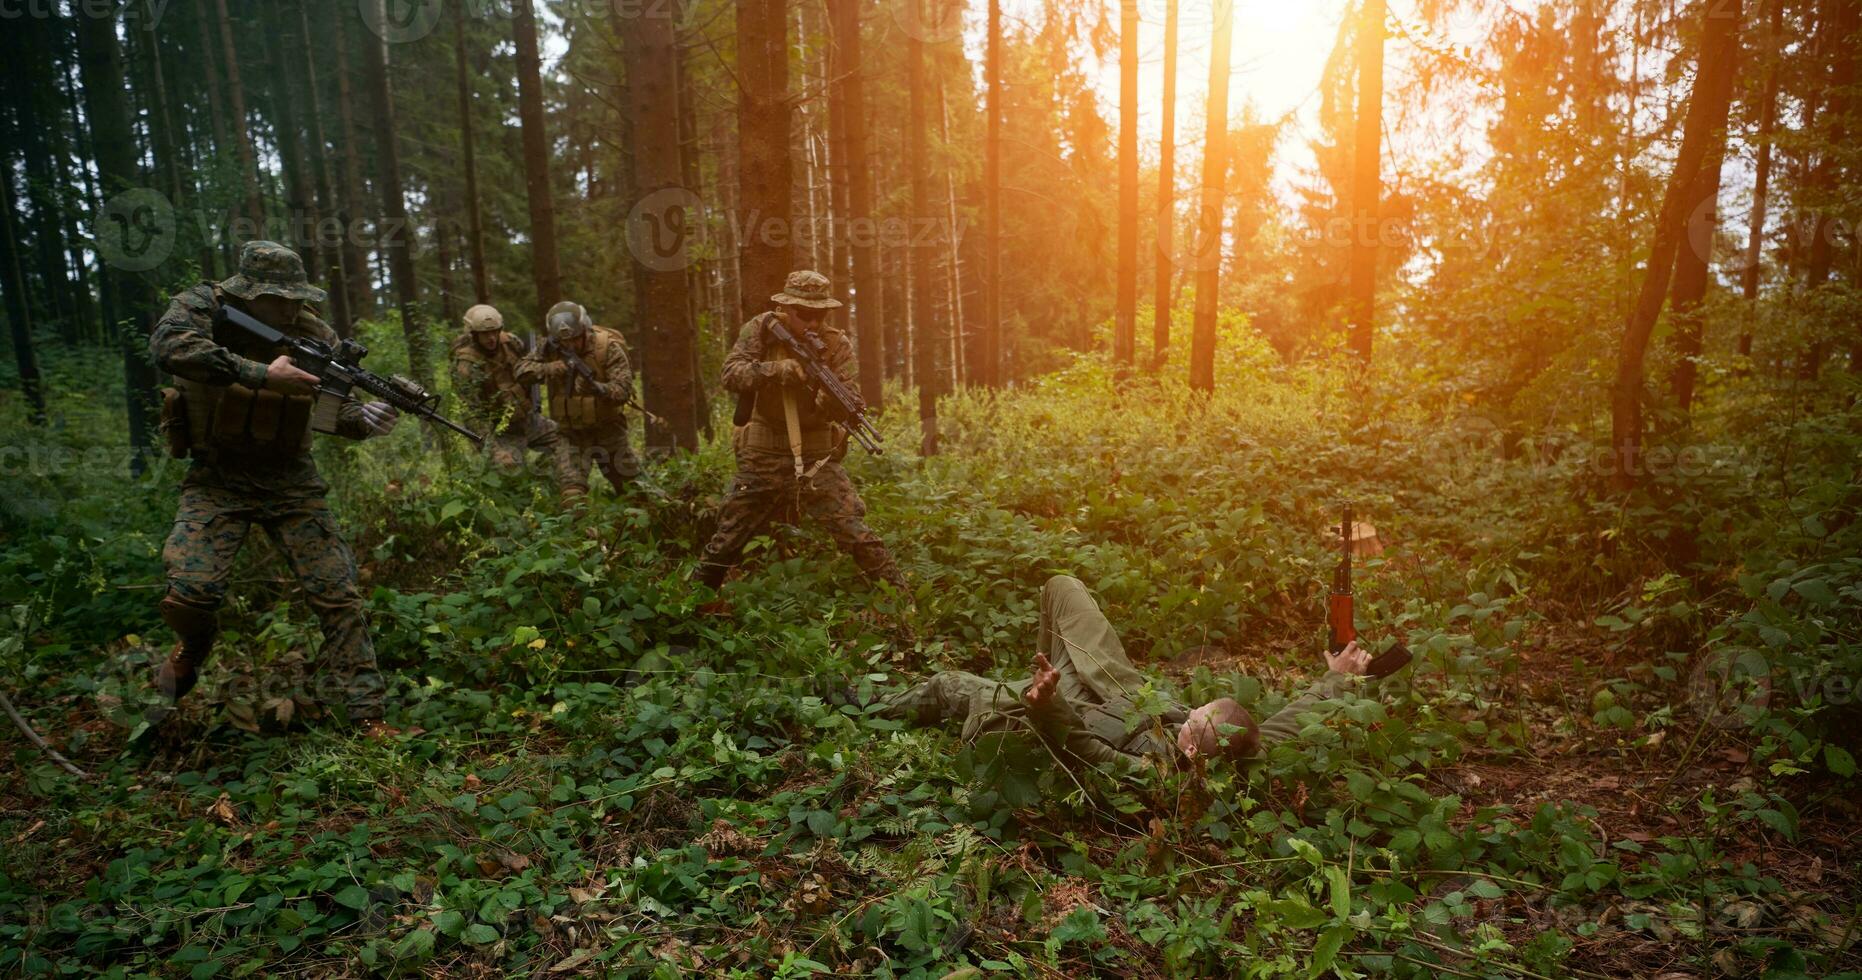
196	628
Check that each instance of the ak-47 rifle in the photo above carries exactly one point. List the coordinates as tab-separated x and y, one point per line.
1341	613
812	354
339	373
579	368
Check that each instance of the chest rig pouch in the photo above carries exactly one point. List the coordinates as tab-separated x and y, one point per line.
574	405
205	421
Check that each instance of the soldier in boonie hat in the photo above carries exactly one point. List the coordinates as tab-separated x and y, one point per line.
270	269
806	289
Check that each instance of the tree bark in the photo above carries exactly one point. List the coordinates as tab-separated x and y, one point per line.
1212	208
991	369
1166	195
300	214
18	317
1366	181
850	76
764	167
356	266
475	233
924	333
254	206
953	251
1125	323
396	240
1761	179
132	301
1692	264
545	269
1706	117
658	237
336	276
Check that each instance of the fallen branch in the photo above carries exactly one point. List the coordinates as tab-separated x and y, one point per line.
32	736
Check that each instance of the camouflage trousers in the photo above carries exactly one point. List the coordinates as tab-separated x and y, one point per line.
765	484
606	449
211	526
1076	638
506	449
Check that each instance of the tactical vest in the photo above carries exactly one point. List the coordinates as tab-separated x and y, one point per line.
234	419
767	426
585	409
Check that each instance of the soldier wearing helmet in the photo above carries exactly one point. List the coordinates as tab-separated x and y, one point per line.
485	360
589	379
241	411
788	422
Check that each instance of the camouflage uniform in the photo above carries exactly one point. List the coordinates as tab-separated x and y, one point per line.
497	404
592	427
252	466
1092	717
766	479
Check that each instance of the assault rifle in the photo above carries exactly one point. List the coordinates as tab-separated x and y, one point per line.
1341	614
579	368
812	354
339	373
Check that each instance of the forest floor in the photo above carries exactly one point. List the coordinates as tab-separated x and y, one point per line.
595	778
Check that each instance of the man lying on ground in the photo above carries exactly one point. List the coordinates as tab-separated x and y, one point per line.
1082	698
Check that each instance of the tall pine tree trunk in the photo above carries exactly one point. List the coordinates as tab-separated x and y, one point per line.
658	241
1692	263
300	211
1761	178
992	369
545	269
850	77
1366	181
397	240
1166	194
132	301
254	206
1706	117
475	232
764	170
356	268
953	249
336	265
1212	208
1125	323
924	334
13	282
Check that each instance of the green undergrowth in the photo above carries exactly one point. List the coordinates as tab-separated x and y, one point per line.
604	780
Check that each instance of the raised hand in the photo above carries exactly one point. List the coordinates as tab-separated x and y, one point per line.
1352	660
1045	680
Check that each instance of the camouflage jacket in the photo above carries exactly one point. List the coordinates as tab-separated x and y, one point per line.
185	344
487	383
748	371
1114	736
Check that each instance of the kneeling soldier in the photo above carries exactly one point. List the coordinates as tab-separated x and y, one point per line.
589	380
243	413
485	361
790	428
